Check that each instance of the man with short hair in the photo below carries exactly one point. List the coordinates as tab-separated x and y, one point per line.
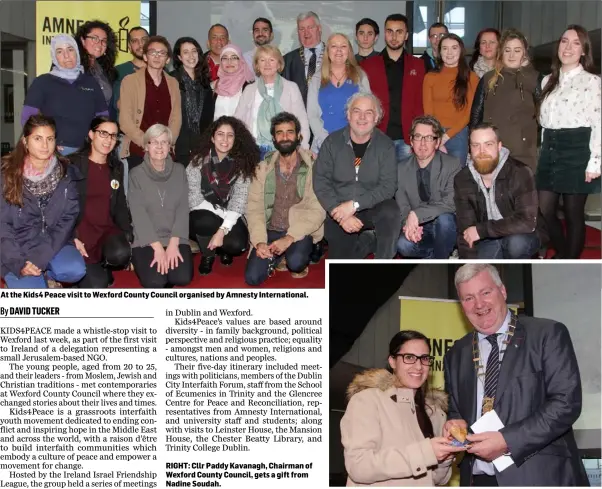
137	37
355	179
426	195
217	39
366	35
263	34
496	201
525	371
283	214
436	32
304	62
149	97
396	79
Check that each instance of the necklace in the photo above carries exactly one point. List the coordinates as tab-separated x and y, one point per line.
339	79
162	197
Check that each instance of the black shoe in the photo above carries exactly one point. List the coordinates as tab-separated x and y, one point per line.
111	278
316	253
206	265
226	259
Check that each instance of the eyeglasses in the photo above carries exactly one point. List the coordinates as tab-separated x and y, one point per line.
419	137
437	36
157	54
158	144
104	134
411	359
231	59
302	30
97	40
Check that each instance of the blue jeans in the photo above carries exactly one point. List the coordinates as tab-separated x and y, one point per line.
297	259
67	266
402	150
438	239
515	246
458	146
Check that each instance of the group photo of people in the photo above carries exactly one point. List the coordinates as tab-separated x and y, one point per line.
279	160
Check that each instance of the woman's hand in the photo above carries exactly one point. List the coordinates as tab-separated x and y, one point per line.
217	240
443	450
30	270
80	247
172	255
160	258
589	176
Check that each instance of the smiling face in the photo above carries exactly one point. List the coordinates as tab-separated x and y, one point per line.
570	49
286	139
338	50
95	43
309	32
41	143
267	65
189	55
104	138
450	52
424	149
223	139
156	56
229	61
158	148
484	302
366	37
218	38
66	56
513	54
413	375
262	34
488	45
362	117
138	39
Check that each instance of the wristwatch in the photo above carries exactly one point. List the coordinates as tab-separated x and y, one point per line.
356	205
225	230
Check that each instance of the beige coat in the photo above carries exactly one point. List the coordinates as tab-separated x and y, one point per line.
305	218
131	109
383	443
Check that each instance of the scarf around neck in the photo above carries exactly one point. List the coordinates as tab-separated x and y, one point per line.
270	106
217	178
193	100
229	84
493	212
481	67
43	185
71	74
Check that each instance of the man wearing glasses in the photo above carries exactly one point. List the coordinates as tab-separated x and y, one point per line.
149	97
425	194
436	32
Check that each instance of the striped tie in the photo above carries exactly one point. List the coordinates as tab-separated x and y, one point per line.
357	162
492	373
311	67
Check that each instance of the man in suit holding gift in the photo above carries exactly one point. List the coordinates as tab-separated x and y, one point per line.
524	369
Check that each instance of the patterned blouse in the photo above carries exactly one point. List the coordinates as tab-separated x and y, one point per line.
576	102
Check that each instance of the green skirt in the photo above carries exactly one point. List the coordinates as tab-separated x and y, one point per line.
562	162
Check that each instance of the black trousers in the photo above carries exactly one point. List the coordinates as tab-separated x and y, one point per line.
204	224
116	254
150	278
384	218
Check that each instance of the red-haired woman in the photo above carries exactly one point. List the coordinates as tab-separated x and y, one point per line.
485	51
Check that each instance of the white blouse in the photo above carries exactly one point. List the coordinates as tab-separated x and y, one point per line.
576	102
226	105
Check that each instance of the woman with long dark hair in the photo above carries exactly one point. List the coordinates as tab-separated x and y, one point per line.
507	97
392	427
38	211
448	93
103	231
97	45
218	181
485	51
569	160
198	103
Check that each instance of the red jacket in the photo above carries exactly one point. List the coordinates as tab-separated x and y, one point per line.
411	94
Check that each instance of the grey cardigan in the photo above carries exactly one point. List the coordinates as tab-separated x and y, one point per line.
158	203
314	111
443	169
334	175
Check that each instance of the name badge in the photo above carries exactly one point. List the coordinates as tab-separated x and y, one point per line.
114	184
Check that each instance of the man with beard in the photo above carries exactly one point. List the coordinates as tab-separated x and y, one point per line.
137	37
284	216
355	180
496	201
396	79
263	34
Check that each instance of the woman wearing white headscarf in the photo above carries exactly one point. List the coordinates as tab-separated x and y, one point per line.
67	94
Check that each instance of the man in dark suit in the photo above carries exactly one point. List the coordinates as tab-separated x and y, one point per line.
525	369
425	194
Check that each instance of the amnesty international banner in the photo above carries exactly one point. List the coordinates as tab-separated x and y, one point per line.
54	18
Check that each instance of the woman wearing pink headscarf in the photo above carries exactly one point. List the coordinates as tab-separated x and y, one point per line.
234	75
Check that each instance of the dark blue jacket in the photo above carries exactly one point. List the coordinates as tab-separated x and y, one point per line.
29	234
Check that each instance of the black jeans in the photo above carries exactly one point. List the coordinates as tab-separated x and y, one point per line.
384	218
150	278
116	254
204	224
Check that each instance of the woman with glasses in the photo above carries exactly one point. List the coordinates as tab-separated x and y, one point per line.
38	211
234	75
507	97
149	97
97	46
158	199
103	231
198	104
67	94
392	428
269	96
218	186
485	51
328	93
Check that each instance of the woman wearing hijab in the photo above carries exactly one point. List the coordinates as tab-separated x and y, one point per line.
269	96
67	94
234	75
198	104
